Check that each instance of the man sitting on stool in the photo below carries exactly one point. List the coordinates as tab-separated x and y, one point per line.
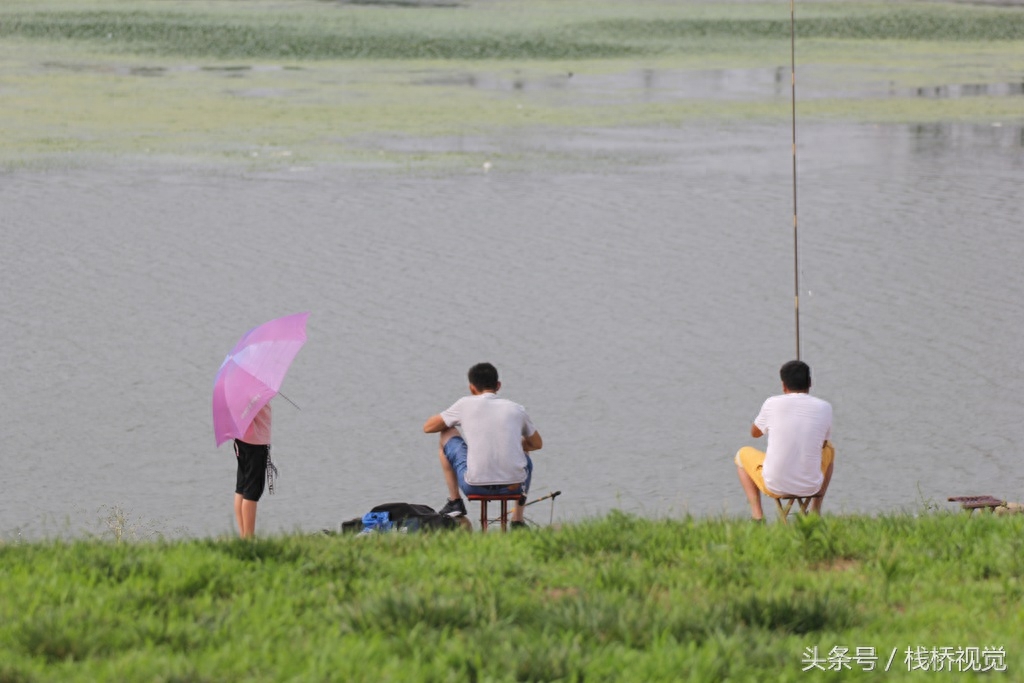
799	458
489	457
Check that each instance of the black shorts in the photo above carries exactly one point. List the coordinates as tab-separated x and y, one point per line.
252	469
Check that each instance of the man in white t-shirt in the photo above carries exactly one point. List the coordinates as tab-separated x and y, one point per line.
799	458
489	456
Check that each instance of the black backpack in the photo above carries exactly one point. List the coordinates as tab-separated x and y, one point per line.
401	517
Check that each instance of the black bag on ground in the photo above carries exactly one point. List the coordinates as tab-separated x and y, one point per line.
404	517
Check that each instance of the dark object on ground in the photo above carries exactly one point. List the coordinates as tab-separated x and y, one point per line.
972	503
404	518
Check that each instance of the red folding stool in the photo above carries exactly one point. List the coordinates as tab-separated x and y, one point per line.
503	498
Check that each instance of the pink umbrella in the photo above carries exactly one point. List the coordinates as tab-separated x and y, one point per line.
252	373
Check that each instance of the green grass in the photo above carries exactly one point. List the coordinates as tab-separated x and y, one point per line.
609	599
306	81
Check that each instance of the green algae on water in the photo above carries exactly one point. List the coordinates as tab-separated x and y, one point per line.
308	81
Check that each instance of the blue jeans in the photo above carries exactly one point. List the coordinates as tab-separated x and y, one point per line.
455	450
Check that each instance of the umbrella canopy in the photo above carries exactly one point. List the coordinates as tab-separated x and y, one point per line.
252	373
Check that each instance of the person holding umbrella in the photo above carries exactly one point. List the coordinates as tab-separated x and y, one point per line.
253	455
250	376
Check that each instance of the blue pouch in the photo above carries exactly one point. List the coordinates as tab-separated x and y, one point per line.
376	521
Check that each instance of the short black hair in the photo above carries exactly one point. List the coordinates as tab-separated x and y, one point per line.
796	375
484	376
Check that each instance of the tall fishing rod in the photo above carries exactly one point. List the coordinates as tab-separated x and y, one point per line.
796	263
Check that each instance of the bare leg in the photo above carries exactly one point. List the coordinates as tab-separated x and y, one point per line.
238	514
816	502
753	493
248	518
450	478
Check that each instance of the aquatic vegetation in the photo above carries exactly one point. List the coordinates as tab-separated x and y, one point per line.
921	22
476	31
226	38
307	81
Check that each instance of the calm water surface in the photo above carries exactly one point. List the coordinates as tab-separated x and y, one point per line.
638	301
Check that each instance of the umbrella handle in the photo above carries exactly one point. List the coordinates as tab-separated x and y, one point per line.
289	400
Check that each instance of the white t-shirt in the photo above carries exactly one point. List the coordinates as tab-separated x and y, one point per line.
797	425
493	429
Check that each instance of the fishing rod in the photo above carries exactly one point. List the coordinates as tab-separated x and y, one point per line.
796	264
550	496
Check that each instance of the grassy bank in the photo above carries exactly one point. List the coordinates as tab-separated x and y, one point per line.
618	598
308	80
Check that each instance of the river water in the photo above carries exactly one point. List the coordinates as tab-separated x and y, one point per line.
638	301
